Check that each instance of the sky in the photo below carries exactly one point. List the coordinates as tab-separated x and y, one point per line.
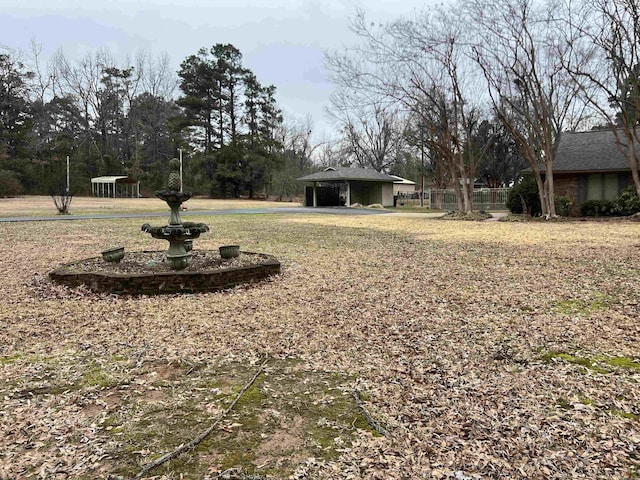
282	41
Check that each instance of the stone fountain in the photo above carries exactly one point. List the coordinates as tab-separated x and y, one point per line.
176	233
137	273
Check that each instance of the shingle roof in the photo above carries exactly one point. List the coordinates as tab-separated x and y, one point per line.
589	151
344	173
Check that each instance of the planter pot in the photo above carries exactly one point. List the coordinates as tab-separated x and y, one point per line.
113	254
229	251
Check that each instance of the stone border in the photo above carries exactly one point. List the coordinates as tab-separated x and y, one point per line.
166	282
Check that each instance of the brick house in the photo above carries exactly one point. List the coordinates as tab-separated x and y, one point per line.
590	166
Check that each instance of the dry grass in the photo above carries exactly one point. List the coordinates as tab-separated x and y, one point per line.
41	206
488	350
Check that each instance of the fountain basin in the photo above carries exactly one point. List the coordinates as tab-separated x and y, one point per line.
179	254
151	277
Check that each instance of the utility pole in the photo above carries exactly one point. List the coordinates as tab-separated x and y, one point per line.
67	174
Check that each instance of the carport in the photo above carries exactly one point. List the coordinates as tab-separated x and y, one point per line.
115	186
337	186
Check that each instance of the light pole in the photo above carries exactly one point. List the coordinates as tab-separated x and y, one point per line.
422	169
180	152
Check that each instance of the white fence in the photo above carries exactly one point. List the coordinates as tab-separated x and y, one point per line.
483	199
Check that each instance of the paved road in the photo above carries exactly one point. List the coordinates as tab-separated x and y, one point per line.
238	211
230	211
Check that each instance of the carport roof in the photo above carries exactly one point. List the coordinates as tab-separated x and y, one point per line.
113	179
332	174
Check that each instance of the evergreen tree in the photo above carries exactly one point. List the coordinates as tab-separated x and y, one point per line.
15	112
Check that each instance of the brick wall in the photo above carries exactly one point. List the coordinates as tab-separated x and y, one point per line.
567	185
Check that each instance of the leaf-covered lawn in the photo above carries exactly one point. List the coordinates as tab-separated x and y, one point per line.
487	350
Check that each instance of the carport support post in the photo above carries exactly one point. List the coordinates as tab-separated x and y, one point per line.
348	193
315	196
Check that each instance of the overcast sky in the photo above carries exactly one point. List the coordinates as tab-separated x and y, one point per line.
282	41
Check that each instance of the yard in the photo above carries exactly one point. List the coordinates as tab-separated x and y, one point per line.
481	350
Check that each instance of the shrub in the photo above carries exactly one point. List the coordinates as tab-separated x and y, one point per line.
628	202
524	197
563	205
597	208
61	199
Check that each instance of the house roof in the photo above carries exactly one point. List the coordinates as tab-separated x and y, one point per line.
591	151
332	174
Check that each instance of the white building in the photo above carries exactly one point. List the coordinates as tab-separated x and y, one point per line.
403	186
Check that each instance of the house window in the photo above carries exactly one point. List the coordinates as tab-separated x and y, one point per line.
601	186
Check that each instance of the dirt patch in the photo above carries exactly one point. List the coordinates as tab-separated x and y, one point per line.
163	371
153	395
290	438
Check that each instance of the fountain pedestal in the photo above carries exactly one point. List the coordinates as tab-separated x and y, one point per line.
176	233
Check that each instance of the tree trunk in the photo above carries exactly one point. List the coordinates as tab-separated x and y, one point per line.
550	191
541	191
466	201
455	180
634	164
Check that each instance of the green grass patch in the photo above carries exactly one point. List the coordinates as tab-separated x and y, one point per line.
287	415
578	306
10	359
599	363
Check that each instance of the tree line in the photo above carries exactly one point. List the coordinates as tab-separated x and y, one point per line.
132	120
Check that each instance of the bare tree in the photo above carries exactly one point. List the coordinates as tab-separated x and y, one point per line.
373	135
423	65
607	34
104	94
332	152
296	137
520	51
156	75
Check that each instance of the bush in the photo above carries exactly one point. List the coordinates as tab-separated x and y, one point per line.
563	205
628	202
526	190
597	208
